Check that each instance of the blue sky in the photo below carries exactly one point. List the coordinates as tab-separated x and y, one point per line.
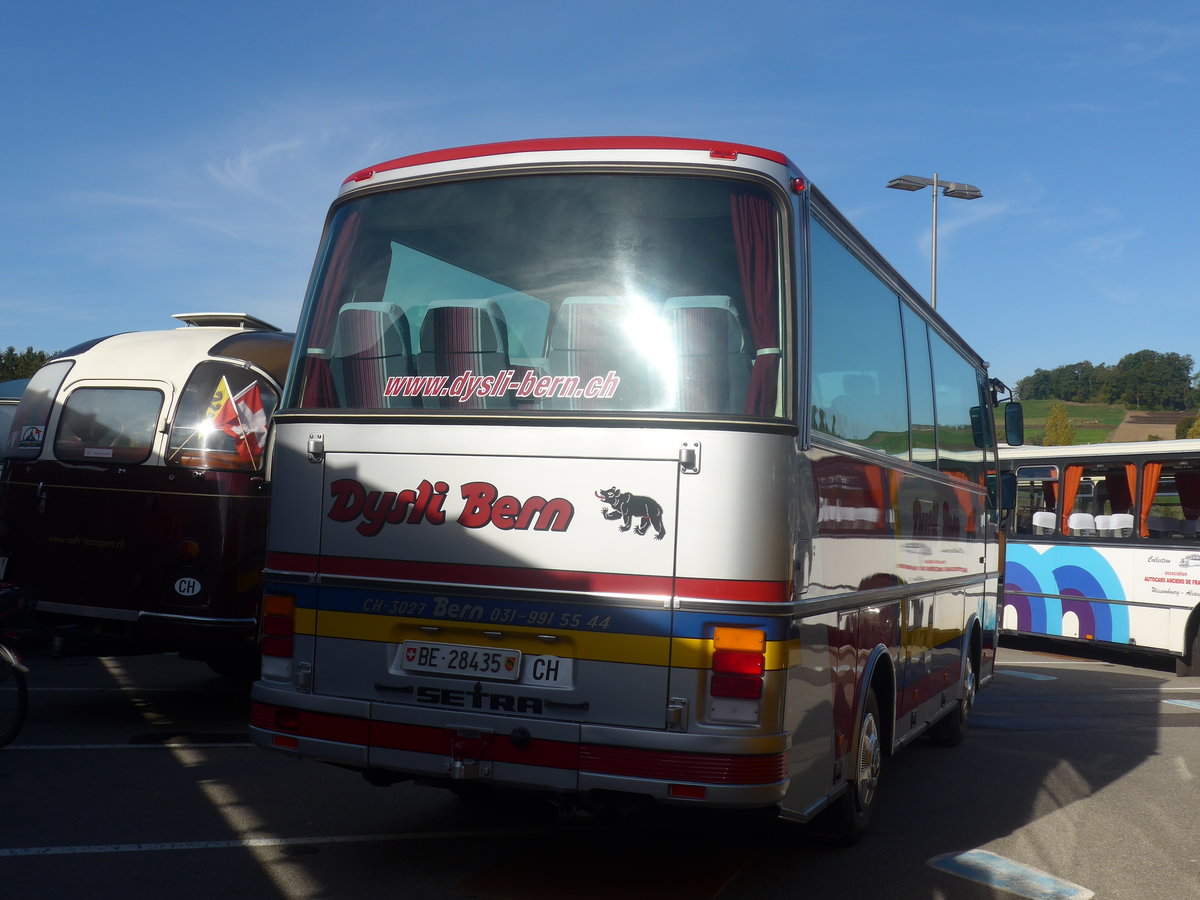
176	157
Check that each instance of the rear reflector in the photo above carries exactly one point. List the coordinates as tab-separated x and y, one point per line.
742	687
274	645
687	791
732	662
278	625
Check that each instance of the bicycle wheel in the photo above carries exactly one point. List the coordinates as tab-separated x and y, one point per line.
14	700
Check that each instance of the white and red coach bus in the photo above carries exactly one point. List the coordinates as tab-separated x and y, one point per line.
622	469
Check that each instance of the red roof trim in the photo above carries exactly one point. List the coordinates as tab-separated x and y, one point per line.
576	143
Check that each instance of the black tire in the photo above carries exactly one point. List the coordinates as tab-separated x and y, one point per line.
1190	664
851	814
951	729
14	700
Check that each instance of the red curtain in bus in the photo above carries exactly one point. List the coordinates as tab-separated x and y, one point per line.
318	379
1071	478
1150	474
1188	485
754	234
1119	485
1050	493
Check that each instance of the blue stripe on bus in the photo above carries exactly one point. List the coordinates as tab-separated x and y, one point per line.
701	624
413	605
995	871
448	607
1078	577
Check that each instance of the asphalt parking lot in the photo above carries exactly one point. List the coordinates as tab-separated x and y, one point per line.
133	777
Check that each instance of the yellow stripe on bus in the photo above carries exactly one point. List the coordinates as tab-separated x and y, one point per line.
696	653
625	648
688	653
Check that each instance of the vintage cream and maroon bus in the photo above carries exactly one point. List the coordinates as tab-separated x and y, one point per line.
622	469
133	496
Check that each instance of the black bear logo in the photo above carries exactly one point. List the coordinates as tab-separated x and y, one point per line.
626	505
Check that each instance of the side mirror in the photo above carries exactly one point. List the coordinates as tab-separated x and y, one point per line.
1008	491
1014	426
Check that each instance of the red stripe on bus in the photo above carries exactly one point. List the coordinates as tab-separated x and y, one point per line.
630	762
465	573
427	739
293	562
701	767
551	579
723	589
581	143
303	723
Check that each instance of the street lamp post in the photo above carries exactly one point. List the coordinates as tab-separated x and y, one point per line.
950	189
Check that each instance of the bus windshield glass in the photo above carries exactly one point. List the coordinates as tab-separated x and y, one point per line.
613	293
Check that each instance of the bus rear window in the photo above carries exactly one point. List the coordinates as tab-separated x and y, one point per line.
553	292
28	432
222	419
108	425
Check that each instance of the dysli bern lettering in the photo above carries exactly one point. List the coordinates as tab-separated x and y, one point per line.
484	506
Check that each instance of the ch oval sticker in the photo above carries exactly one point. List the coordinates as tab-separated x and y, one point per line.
188	587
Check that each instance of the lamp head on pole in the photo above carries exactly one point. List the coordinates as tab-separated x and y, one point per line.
949	188
910	183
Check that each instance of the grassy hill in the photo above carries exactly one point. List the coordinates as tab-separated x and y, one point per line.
1098	422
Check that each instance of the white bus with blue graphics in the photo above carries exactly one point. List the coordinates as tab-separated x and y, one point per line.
1103	546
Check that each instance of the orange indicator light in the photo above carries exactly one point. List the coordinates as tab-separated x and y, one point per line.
748	639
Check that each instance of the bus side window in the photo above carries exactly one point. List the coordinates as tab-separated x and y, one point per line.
1037	493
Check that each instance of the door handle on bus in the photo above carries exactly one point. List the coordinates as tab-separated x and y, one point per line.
316	448
689	458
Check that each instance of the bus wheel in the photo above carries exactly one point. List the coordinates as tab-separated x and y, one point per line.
951	729
1190	664
851	815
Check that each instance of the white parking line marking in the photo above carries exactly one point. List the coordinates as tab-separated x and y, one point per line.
984	867
1032	676
1190	704
249	843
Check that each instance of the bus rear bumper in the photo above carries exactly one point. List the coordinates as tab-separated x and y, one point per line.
578	759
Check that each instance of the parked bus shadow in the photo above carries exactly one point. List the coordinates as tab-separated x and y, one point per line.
1068	649
1036	747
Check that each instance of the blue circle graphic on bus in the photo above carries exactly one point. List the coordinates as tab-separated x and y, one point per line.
1078	580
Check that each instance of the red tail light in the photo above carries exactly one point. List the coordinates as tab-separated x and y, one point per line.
279	625
738	662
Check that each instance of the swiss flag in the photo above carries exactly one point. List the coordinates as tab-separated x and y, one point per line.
242	417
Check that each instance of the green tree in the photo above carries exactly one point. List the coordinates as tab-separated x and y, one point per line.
1183	426
1059	430
1148	379
21	365
1194	430
1079	382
